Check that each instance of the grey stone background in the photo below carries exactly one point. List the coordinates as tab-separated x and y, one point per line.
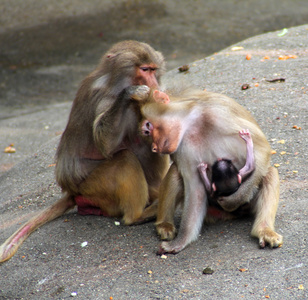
47	47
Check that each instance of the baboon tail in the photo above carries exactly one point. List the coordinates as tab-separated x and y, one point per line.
11	245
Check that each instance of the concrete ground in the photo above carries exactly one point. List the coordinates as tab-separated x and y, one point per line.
47	47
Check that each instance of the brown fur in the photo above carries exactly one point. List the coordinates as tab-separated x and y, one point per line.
101	156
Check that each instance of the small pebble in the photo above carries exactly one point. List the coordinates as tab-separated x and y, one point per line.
84	244
208	271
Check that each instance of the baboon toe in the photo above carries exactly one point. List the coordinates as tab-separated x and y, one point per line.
166	231
271	238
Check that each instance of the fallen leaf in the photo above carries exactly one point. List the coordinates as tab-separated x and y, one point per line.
281	142
276	80
248	56
285	57
184	68
236	48
301	287
277	165
283	32
273	152
243	270
9	149
283	152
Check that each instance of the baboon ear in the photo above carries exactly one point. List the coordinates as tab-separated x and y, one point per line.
161	97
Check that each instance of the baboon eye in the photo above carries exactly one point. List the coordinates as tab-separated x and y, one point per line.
146	69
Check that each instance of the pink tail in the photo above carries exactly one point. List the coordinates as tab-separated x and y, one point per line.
11	245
